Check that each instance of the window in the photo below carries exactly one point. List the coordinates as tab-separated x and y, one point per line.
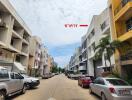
4	74
103	26
99	81
129	24
18	58
12	75
93	33
17	76
117	82
96	81
124	2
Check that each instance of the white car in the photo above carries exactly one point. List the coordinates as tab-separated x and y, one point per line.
30	81
111	89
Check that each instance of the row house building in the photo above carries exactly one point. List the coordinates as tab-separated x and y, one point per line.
19	50
34	54
98	28
121	26
77	63
115	21
44	68
40	61
14	39
51	63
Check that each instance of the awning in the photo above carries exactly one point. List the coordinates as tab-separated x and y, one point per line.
19	66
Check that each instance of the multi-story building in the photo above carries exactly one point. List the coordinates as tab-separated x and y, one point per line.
99	28
83	55
71	64
44	61
50	63
121	23
14	39
67	68
75	64
35	54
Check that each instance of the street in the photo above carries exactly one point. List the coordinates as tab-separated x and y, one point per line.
57	88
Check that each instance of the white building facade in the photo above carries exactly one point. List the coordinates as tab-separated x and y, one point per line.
99	27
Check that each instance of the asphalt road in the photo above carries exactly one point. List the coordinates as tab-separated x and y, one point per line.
57	88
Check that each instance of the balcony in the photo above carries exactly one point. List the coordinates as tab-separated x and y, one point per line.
3	22
124	10
82	68
15	43
3	28
126	59
121	5
26	37
126	33
24	48
16	34
17	28
83	50
91	55
126	36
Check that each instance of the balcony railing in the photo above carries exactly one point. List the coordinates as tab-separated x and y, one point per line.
121	5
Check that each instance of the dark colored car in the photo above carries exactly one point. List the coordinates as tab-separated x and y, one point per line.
84	81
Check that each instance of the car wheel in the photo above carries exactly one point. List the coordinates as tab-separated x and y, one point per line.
2	95
90	91
24	89
103	97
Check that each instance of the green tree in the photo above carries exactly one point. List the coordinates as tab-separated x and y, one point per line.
54	69
107	48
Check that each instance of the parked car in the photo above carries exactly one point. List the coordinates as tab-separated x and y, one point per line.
56	73
75	76
84	81
46	76
53	74
70	75
10	83
111	89
30	81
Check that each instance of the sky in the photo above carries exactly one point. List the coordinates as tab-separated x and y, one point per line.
47	19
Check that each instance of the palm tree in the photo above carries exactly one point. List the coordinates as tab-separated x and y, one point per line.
106	48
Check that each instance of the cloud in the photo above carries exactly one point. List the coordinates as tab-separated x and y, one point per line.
46	18
62	60
63	50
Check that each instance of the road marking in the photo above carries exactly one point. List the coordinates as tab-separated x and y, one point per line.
51	99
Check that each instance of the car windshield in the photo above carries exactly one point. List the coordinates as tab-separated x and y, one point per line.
117	82
25	76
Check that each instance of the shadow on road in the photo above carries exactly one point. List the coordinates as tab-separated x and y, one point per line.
15	96
96	96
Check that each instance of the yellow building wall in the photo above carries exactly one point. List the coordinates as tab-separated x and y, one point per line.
118	26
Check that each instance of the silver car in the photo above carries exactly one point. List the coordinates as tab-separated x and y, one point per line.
10	83
111	89
30	81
